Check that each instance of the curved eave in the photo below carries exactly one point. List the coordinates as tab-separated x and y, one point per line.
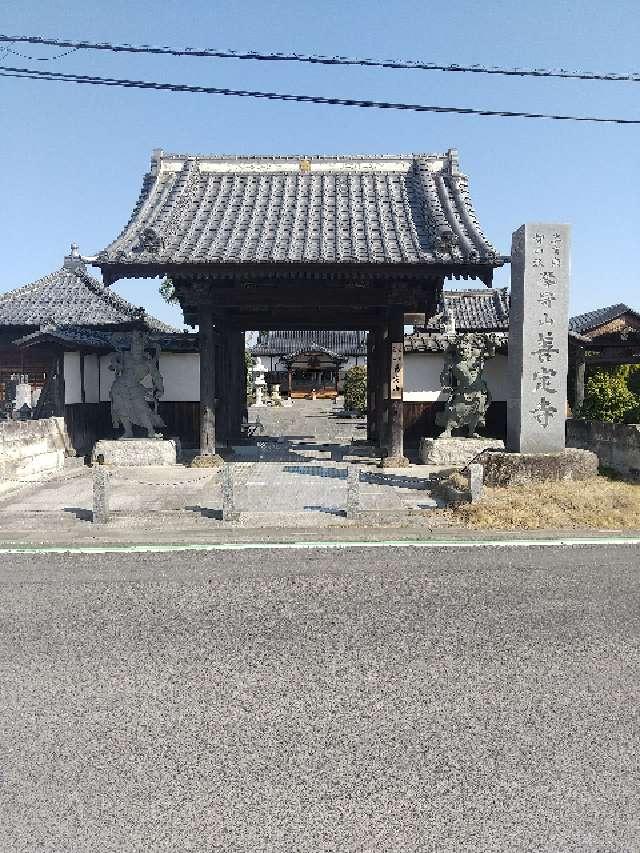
115	271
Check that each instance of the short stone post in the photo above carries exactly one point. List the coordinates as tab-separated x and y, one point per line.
538	335
100	495
229	511
353	491
476	481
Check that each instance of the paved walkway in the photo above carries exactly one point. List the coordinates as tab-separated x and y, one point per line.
294	475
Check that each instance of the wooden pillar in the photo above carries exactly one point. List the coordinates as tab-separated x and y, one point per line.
394	375
576	379
58	384
379	360
207	384
289	380
337	376
371	392
242	413
83	394
237	386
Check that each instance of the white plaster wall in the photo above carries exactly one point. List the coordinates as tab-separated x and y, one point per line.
180	373
91	385
72	392
422	376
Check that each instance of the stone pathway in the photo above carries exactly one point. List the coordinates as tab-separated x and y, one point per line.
296	474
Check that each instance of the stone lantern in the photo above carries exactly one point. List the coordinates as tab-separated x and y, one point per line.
259	383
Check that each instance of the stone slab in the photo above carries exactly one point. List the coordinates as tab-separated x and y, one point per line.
455	451
506	469
134	452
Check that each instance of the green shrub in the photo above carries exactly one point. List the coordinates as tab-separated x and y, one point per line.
355	389
608	396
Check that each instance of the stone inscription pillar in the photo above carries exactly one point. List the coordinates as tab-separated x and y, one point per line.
207	384
538	333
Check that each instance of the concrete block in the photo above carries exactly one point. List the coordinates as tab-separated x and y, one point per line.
353	491
475	474
229	511
100	495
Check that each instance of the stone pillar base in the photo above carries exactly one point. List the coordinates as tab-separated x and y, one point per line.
134	452
207	461
517	469
394	462
455	451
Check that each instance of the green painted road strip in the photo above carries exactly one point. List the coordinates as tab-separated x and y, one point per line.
565	541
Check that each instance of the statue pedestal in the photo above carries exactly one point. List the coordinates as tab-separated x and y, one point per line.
134	452
455	451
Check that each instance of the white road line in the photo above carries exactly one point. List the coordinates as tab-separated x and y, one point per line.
310	545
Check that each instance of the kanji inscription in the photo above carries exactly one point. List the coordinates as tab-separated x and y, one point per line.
397	372
538	333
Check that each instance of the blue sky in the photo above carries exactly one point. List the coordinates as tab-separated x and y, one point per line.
73	156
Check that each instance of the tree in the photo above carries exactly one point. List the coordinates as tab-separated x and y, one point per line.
168	292
608	396
355	389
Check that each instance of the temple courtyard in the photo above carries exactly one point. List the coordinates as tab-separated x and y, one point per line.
294	474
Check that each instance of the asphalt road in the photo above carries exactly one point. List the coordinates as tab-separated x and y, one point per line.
358	700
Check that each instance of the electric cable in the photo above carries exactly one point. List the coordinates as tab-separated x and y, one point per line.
33	74
317	59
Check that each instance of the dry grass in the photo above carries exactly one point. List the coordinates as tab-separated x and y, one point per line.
600	503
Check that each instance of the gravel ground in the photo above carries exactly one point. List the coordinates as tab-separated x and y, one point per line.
361	700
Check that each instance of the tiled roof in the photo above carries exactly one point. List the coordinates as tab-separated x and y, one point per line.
424	341
475	310
70	297
289	342
81	338
592	319
329	355
338	209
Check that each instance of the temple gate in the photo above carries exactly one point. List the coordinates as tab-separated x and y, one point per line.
340	242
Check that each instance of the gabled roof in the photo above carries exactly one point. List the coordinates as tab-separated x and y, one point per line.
592	319
382	209
474	310
70	297
329	355
289	342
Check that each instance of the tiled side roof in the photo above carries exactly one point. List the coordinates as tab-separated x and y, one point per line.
340	209
70	296
475	310
103	339
593	319
287	343
424	341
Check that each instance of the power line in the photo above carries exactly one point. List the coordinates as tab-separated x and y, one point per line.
6	50
32	74
407	64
